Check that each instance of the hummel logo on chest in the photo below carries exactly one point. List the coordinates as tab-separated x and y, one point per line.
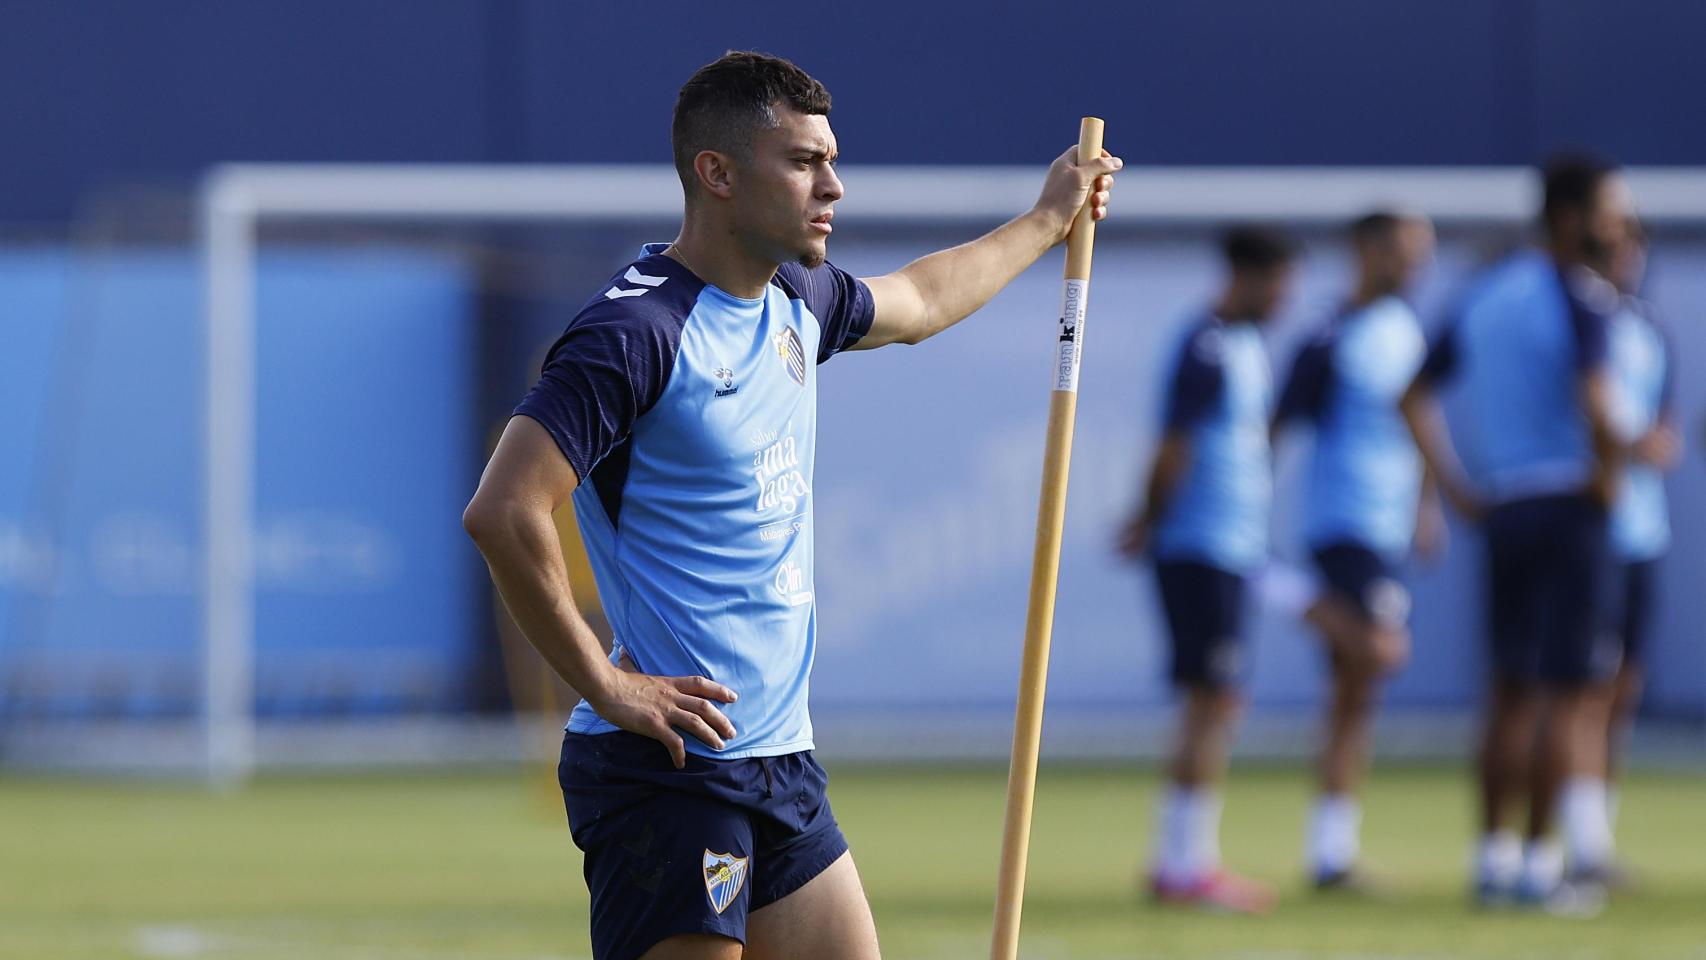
727	376
634	276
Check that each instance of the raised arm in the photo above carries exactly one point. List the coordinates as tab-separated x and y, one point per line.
509	518
935	292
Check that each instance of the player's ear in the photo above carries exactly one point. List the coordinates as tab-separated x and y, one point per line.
715	172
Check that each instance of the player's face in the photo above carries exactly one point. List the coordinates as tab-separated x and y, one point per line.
1607	224
1392	260
788	188
1629	264
1268	290
1416	247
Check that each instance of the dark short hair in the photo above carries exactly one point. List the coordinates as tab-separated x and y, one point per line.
1375	226
1571	181
728	100
1249	246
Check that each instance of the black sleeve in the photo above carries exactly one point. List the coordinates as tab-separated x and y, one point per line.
1197	382
1667	387
840	301
607	370
1440	365
1590	326
1305	392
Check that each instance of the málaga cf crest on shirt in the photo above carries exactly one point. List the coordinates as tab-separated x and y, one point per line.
793	354
725	875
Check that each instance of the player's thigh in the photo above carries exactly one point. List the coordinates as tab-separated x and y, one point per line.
1578	650
826	919
666	853
695	946
1205	619
1516	584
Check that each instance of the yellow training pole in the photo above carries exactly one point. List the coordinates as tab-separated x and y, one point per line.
1045	569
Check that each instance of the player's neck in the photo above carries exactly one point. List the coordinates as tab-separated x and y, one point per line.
1369	290
1568	254
1230	309
717	258
1564	254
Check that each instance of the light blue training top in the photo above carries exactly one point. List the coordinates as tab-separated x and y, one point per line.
1527	333
1220	393
1365	474
1641	366
690	416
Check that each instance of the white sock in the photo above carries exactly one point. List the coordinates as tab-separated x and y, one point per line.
1498	862
1188	828
1542	865
1285	590
1334	826
1587	822
1205	831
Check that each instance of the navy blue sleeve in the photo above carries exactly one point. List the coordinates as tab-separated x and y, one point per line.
1198	381
1305	392
1590	302
1440	365
607	370
1667	386
1592	341
840	301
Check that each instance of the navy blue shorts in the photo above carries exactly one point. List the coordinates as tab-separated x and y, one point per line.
1366	579
1629	611
1546	564
672	852
1205	615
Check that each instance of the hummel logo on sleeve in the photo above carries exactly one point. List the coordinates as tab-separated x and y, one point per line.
634	276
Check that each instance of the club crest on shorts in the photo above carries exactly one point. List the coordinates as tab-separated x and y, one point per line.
793	354
725	875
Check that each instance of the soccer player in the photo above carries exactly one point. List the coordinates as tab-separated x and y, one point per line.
1529	350
1363	513
1644	368
679	411
1205	520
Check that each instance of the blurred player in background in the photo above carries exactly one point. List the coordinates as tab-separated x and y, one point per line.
679	411
1205	520
1364	511
1643	368
1529	351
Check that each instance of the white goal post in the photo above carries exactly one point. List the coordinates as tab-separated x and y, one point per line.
235	199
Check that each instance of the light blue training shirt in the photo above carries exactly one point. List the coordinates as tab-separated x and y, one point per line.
1365	474
1641	366
1220	394
690	416
1527	333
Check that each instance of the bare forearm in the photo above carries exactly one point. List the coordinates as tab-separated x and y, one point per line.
953	283
1171	462
1661	446
1608	448
1439	459
525	558
1429	498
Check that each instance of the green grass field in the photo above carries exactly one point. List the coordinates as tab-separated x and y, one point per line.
459	866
